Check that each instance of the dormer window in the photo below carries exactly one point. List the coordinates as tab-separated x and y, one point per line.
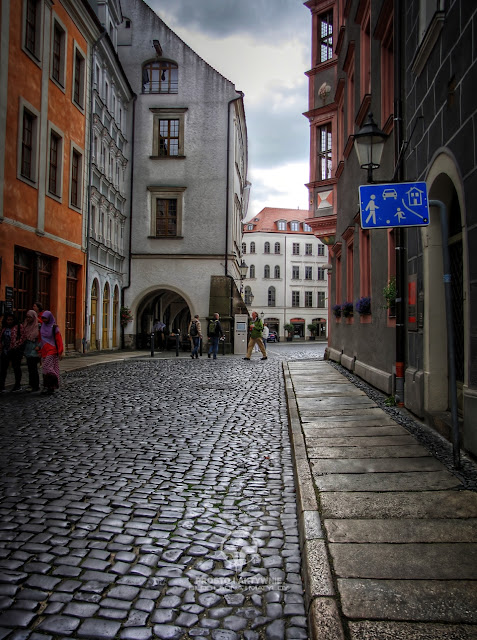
295	226
282	225
160	76
306	227
250	227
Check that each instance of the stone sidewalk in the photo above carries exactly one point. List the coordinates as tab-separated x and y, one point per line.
388	534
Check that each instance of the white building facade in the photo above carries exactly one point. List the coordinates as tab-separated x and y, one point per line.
287	282
190	189
109	184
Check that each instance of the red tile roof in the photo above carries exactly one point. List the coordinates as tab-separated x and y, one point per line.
268	217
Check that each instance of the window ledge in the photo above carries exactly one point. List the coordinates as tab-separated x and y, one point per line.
32	56
60	86
428	42
54	196
167	157
165	237
31	183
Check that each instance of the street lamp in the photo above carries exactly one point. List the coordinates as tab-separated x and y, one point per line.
369	146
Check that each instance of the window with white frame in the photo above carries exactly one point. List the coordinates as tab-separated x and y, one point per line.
244	247
277	247
252	271
58	54
27	146
308	273
55	163
281	225
295	272
295	298
248	295
321	249
306	227
252	247
294	226
168	132
308	298
250	227
296	249
308	249
277	271
76	178
271	296
166	211
321	273
266	271
321	299
79	67
266	247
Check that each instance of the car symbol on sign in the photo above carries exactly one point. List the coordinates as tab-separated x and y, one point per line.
389	193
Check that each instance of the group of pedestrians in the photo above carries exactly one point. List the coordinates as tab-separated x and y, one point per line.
258	336
38	339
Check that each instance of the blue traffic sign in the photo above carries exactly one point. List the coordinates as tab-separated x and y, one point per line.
402	204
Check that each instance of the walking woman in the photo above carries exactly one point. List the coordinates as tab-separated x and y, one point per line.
12	338
51	348
32	348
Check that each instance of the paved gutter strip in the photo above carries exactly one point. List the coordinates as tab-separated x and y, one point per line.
324	618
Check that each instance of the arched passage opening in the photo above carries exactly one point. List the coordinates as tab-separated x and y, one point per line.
166	306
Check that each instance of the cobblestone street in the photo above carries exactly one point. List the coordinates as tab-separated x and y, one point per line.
152	499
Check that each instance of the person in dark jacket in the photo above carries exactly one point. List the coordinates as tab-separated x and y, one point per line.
12	339
214	333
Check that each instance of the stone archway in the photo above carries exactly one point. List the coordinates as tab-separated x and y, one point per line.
165	305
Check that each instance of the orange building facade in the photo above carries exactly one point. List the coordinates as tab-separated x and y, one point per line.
44	132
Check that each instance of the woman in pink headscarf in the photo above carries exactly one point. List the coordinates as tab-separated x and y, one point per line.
51	348
32	345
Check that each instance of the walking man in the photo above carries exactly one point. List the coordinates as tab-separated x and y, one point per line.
214	333
195	334
256	329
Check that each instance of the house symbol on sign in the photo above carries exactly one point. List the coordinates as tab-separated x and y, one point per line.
414	197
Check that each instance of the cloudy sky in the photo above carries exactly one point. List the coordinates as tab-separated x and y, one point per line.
263	47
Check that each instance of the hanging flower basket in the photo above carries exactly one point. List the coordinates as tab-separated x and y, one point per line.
125	316
347	309
363	306
337	310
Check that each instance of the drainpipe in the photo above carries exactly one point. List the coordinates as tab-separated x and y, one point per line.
90	180
123	289
399	233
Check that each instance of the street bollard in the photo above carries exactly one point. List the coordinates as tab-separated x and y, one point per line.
152	344
177	345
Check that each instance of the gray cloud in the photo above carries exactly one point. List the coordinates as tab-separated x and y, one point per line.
268	19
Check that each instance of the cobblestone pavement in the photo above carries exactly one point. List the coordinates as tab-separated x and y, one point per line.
152	499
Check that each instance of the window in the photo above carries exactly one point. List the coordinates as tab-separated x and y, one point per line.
308	298
168	132
277	271
306	227
75	183
277	247
321	249
308	249
58	54
252	271
32	28
308	273
282	225
326	36
295	272
106	93
244	247
266	271
250	227
321	273
78	78
266	247
27	167
252	247
55	164
295	226
295	298
427	10
166	211
271	296
296	248
324	152
321	300
160	76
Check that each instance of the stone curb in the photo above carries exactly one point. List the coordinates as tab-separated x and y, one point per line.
321	600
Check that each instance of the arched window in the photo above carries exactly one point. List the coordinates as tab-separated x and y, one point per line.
252	247
160	76
277	247
271	296
277	271
266	247
248	295
244	247
266	271
252	271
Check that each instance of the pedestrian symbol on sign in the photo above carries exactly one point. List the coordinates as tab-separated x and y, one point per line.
372	206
